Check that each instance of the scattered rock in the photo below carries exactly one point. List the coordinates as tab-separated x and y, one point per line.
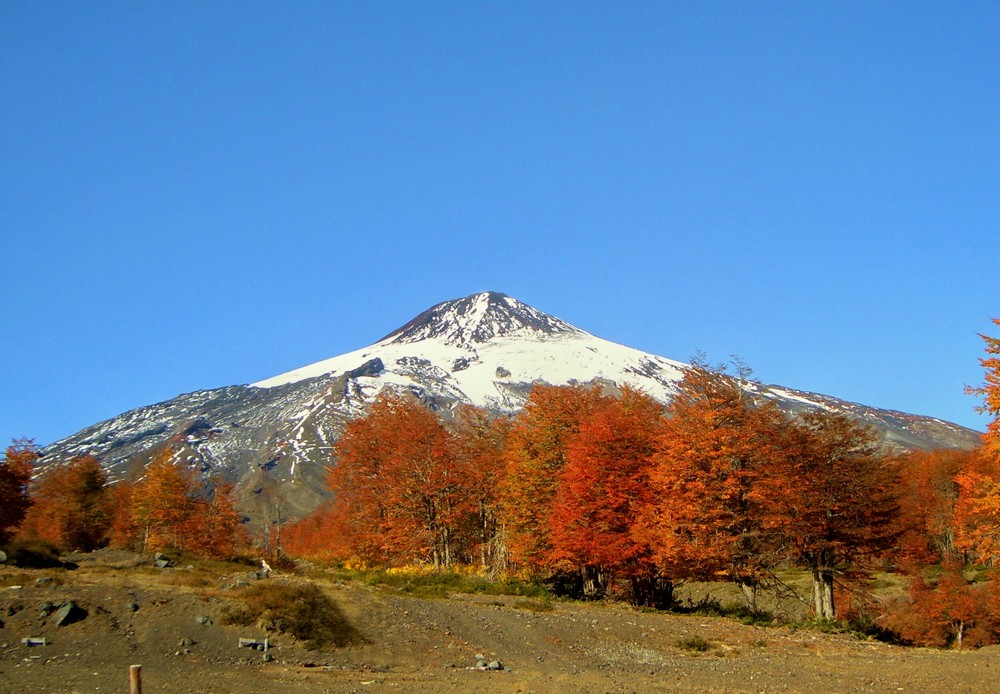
68	614
203	619
502	372
43	580
267	657
482	664
132	606
161	563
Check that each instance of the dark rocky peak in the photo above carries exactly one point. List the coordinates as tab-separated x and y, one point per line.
477	319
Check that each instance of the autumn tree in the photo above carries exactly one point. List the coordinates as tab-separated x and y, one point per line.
15	475
840	499
602	488
71	506
397	492
928	495
977	509
478	443
718	450
170	508
945	611
218	525
534	457
989	391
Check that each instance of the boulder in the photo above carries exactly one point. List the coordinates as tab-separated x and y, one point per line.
67	614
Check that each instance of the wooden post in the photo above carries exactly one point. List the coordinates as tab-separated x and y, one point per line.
135	679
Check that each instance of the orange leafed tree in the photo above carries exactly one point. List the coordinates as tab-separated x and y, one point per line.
478	443
15	475
169	509
398	494
928	494
989	391
977	509
534	457
840	502
163	504
71	506
602	488
947	611
718	449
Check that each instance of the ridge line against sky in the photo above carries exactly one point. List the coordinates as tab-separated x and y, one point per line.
196	195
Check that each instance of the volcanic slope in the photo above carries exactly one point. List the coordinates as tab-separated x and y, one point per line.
273	438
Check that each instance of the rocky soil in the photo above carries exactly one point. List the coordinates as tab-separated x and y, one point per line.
171	621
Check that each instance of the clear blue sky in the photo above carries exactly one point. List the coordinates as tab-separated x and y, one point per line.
202	194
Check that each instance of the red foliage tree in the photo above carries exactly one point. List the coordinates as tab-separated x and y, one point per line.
718	450
534	457
928	494
169	508
949	611
218	526
602	488
479	441
15	475
71	507
977	509
990	392
839	499
398	495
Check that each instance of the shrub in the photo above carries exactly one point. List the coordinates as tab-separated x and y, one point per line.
299	610
696	643
33	553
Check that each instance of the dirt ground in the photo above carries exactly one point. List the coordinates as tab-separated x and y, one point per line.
170	621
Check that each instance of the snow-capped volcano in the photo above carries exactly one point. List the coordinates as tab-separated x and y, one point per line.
477	319
485	348
274	437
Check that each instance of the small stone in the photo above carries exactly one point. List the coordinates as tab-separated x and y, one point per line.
267	657
3	556
67	614
132	606
203	619
43	580
494	665
161	563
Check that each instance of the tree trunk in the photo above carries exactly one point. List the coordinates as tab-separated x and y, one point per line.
593	581
652	591
823	591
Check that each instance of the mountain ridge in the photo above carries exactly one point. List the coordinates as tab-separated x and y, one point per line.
273	438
